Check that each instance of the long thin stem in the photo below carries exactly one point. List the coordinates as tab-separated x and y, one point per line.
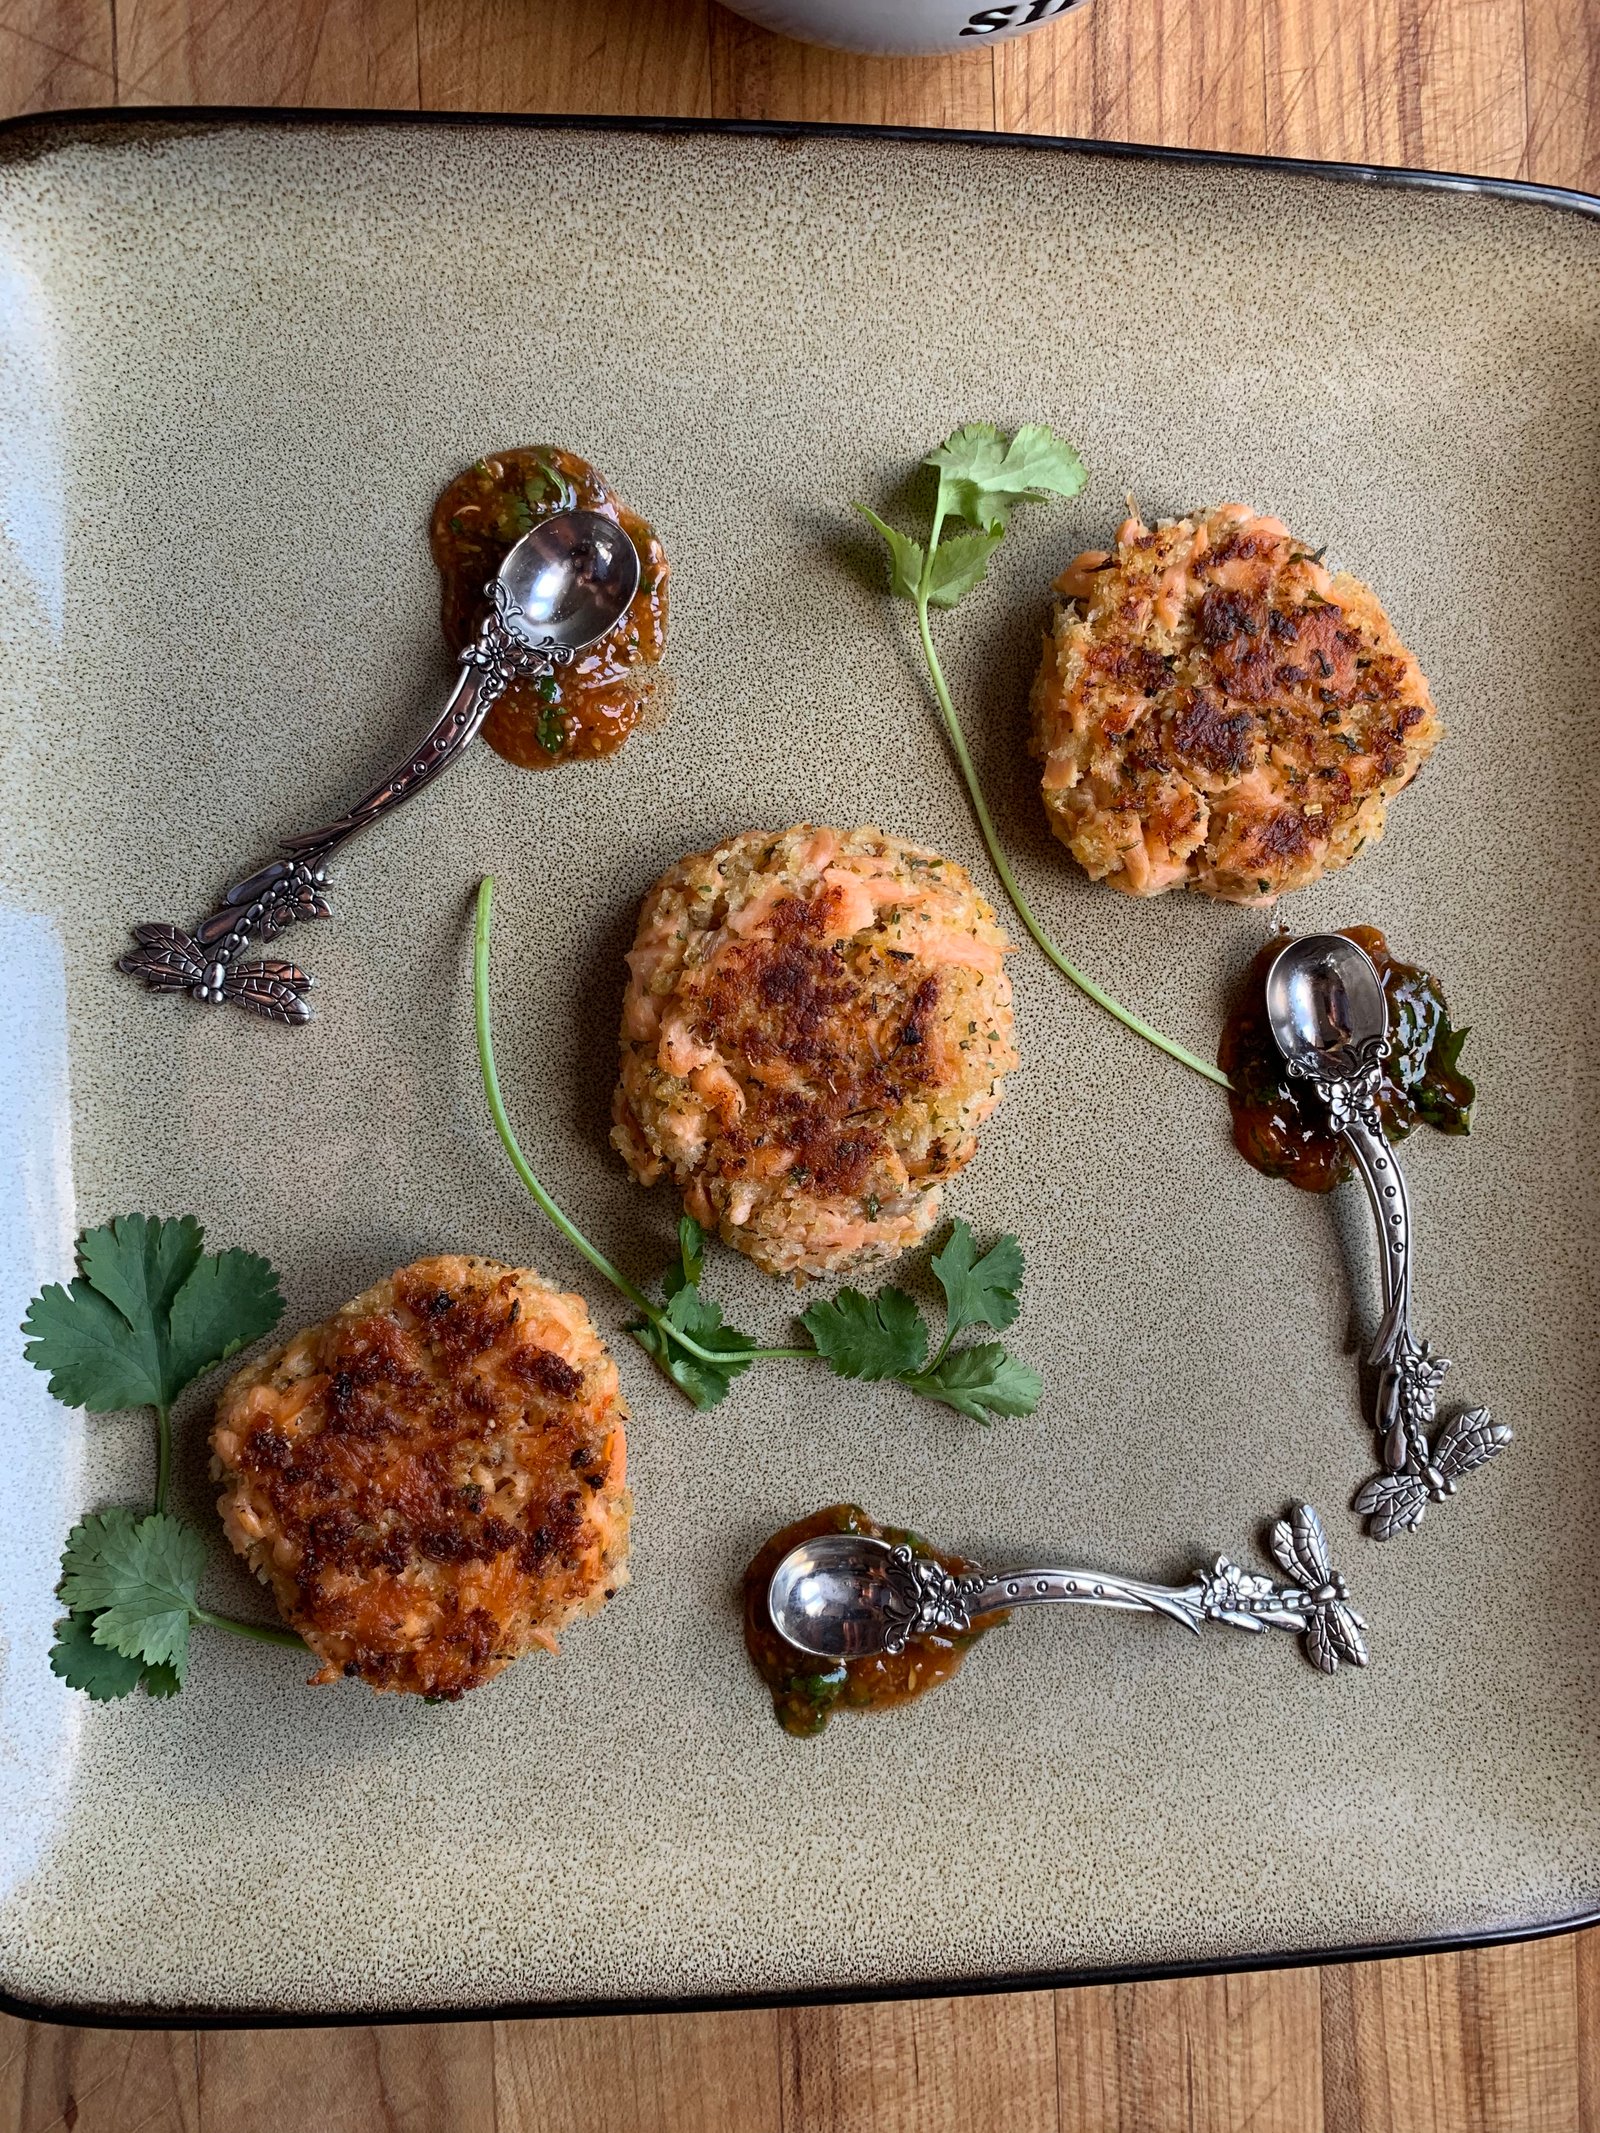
1002	867
502	1124
524	1169
163	1454
261	1632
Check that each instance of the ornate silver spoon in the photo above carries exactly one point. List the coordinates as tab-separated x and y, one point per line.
1326	1005
563	587
844	1596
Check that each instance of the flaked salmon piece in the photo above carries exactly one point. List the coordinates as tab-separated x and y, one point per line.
680	1051
721	1092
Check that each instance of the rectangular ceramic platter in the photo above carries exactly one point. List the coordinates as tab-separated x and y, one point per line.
238	364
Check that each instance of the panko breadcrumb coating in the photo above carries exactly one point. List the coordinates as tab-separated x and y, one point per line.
432	1480
1214	708
816	1022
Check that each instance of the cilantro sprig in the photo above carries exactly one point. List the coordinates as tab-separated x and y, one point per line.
983	477
725	1352
884	1336
148	1312
857	1336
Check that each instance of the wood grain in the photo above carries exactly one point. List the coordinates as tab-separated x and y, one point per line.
1497	2041
710	2073
1486	2038
56	55
509	55
429	2078
1563	93
758	76
985	2065
1124	70
1204	2055
1413	82
354	54
97	2080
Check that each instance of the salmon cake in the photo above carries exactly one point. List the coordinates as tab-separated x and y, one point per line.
816	1023
1216	710
433	1480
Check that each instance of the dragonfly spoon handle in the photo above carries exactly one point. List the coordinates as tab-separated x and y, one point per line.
1315	1605
208	962
1417	1470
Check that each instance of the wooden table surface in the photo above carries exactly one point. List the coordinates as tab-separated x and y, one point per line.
1507	2039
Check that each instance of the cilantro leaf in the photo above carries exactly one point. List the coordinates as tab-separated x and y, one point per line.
906	557
981	1383
140	1578
869	1337
94	1357
691	1257
77	1660
958	565
82	1560
983	477
978	1292
229	1299
146	1313
696	1315
139	1262
701	1319
690	1313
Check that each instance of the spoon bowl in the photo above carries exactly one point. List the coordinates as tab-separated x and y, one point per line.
1325	1003
568	581
836	1597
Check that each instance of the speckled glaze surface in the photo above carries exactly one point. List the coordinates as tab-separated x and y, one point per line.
236	365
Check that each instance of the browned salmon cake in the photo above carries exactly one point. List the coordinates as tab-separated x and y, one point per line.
1214	708
816	1023
432	1481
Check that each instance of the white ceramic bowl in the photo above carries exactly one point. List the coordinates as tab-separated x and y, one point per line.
903	25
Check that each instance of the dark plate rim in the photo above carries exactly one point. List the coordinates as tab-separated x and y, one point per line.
31	136
34	135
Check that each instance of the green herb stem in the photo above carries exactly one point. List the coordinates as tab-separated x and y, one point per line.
163	1454
1002	866
261	1632
502	1124
657	1317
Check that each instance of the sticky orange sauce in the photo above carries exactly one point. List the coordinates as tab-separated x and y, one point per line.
806	1690
1283	1131
590	707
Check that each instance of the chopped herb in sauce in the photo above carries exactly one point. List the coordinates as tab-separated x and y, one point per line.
1282	1129
591	706
806	1691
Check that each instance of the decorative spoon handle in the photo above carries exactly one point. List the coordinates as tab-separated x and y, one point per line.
490	663
1403	1363
1410	1374
207	962
1316	1605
